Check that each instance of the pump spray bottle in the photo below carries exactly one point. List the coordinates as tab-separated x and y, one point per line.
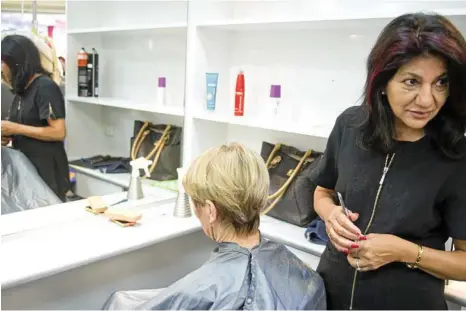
135	187
83	87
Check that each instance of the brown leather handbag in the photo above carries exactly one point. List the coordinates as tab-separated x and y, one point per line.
291	191
160	143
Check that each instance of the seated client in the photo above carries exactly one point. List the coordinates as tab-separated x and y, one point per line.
228	188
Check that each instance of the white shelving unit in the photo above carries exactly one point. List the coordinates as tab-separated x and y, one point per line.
315	49
137	42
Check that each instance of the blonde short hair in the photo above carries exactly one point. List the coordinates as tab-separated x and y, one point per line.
235	179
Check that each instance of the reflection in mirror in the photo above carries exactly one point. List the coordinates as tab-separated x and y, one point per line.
28	180
138	98
124	93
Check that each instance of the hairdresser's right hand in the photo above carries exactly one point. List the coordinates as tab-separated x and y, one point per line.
341	230
5	140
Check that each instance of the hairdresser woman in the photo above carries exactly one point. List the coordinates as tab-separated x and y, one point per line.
399	162
36	123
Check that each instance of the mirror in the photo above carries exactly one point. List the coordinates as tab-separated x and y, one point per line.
133	74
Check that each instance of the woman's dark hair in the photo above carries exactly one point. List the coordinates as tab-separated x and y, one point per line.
406	37
22	57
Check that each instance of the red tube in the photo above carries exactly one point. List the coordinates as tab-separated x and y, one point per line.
50	31
239	95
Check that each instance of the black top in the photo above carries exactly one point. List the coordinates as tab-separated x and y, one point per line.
423	200
42	100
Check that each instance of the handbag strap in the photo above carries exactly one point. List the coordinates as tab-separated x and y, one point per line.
275	149
139	139
158	145
280	192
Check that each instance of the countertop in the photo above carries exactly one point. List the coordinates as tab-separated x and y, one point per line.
456	292
24	233
82	238
61	226
46	216
288	234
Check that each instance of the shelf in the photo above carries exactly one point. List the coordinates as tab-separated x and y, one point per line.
322	131
342	21
129	104
255	25
129	29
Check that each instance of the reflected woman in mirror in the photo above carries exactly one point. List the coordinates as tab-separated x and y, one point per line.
228	187
36	122
399	161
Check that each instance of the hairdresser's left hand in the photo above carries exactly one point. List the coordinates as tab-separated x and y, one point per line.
9	128
376	251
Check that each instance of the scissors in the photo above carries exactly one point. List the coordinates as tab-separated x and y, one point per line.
342	203
118	202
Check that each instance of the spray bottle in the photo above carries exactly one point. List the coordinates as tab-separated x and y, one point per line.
135	187
83	87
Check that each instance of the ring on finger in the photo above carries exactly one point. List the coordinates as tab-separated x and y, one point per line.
329	235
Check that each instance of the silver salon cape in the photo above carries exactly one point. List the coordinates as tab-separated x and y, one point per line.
268	277
22	187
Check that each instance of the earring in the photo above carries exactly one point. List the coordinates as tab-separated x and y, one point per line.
383	92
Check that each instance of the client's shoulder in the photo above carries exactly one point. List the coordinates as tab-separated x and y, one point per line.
274	252
279	264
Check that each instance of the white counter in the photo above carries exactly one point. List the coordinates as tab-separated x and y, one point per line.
70	243
78	260
71	211
456	293
47	241
290	235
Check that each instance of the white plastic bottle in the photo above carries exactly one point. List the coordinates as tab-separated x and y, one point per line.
275	96
161	91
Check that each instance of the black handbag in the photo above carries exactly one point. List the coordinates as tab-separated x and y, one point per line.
291	194
160	143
